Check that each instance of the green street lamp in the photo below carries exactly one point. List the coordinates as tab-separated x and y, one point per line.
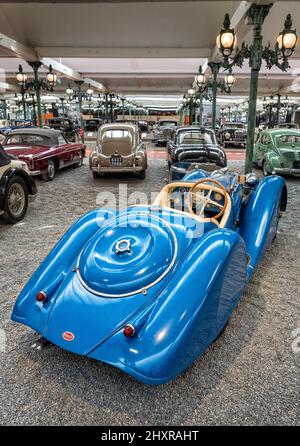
37	84
204	85
232	55
70	92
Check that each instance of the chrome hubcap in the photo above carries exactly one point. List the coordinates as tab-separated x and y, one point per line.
51	170
16	199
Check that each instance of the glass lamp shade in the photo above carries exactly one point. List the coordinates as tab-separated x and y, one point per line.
69	91
226	41
287	40
200	79
191	92
285	101
51	78
230	79
89	91
21	78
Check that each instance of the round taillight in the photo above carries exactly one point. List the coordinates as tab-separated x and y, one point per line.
41	296
129	330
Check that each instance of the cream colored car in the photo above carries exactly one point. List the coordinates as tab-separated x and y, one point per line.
119	149
16	188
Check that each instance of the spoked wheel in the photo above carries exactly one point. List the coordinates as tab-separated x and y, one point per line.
16	201
51	171
265	168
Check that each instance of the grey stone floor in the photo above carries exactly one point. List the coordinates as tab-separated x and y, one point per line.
249	376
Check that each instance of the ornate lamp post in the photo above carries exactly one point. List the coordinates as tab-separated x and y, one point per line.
284	48
191	94
37	84
204	85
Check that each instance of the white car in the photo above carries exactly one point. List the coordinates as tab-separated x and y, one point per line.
16	188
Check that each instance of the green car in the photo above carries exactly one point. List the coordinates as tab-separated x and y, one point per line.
277	151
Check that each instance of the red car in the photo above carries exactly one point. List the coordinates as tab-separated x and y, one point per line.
44	150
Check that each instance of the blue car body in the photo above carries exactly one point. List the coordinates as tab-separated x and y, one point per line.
177	285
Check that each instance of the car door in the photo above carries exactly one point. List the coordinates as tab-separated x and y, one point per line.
70	151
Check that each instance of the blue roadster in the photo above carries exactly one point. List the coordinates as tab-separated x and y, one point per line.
149	288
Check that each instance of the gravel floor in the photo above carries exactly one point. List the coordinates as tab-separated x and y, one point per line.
249	376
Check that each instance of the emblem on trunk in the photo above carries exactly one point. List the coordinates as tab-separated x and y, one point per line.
123	246
68	336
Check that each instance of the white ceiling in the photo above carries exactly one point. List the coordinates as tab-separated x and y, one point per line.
139	48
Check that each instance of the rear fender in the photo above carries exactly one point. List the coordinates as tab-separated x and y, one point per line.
188	314
260	217
52	271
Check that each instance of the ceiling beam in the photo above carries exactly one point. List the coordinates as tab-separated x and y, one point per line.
61	68
17	49
94	84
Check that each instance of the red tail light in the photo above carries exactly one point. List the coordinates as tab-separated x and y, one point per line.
129	330
41	296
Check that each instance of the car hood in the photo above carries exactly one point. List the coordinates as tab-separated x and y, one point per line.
21	150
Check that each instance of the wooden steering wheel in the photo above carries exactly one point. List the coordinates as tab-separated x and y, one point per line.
194	195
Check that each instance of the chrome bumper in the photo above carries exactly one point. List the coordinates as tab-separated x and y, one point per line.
34	173
118	169
285	171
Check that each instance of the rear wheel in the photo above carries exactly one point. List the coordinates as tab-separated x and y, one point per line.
80	161
16	200
265	168
51	171
142	174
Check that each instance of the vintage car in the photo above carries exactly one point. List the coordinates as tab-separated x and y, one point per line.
233	134
277	151
5	127
288	125
66	126
194	147
143	126
16	188
164	130
92	125
22	123
119	149
44	150
148	289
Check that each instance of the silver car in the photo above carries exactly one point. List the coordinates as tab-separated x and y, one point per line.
119	149
164	131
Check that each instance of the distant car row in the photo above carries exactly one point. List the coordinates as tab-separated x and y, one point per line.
31	152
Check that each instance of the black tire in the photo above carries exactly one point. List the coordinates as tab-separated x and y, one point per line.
222	331
265	168
80	162
15	207
51	171
142	174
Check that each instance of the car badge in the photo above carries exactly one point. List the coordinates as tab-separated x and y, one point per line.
68	336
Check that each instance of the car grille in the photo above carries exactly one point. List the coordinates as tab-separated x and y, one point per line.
116	160
239	136
288	156
296	165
